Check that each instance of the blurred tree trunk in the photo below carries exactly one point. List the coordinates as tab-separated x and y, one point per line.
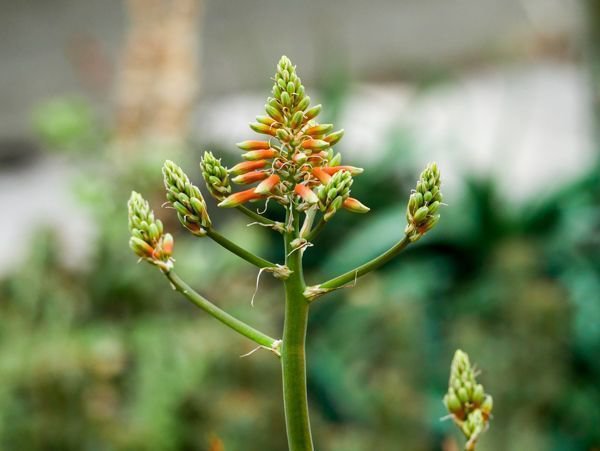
158	79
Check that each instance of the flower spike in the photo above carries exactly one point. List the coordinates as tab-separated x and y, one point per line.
186	199
468	404
148	239
215	175
423	204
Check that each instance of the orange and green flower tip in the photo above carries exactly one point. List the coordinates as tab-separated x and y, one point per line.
253	145
323	176
238	199
351	169
312	112
140	247
262	128
250	177
267	120
334	137
314	144
260	154
266	186
167	244
355	206
318	130
247	166
306	193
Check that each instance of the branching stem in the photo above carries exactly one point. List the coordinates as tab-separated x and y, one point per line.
234	323
349	277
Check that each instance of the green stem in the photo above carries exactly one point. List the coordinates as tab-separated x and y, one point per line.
239	251
293	358
255	216
314	232
351	276
210	308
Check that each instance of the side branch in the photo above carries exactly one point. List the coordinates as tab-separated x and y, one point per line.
315	291
278	270
277	226
234	323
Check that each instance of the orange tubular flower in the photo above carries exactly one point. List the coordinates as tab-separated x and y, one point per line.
253	145
321	175
250	177
306	193
247	166
260	154
266	186
355	206
351	169
239	198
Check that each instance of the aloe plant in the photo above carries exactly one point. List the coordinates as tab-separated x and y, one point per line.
296	167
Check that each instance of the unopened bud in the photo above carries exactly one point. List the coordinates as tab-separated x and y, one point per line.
253	145
260	154
250	177
239	198
262	128
315	144
247	166
334	138
355	206
267	185
313	112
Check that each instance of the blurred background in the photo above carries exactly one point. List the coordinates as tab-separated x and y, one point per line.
98	353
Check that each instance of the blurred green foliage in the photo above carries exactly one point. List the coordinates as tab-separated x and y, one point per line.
67	124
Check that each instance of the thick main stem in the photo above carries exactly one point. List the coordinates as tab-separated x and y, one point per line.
293	357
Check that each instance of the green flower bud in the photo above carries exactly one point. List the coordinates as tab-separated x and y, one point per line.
313	112
274	113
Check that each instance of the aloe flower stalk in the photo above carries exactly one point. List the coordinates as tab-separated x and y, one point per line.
294	165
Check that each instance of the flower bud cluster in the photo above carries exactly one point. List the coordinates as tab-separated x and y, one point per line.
466	400
296	164
148	239
424	203
186	199
216	176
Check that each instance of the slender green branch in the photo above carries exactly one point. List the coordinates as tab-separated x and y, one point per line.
239	251
314	232
234	323
315	291
257	217
293	355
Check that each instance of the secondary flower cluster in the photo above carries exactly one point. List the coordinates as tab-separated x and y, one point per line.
296	164
424	202
148	239
466	400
